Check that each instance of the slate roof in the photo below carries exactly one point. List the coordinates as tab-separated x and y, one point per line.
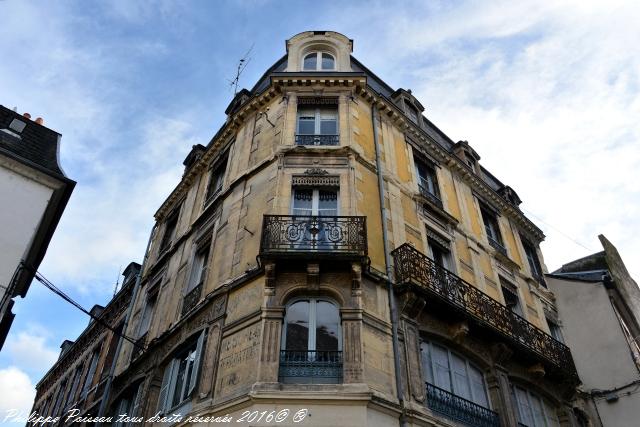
36	144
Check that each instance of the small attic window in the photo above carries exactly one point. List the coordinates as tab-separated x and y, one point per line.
17	125
318	61
412	113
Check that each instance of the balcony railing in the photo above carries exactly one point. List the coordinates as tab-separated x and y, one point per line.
317	139
310	367
433	198
497	245
319	235
413	267
460	409
191	299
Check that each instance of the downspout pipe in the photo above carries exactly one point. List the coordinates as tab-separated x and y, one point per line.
387	262
114	362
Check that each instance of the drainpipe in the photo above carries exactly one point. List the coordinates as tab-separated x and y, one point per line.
387	262
112	368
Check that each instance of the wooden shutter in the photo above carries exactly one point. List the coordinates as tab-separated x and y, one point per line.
164	389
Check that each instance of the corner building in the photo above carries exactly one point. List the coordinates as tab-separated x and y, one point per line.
268	279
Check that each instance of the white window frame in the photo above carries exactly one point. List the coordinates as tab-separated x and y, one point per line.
315	199
319	54
317	121
311	343
468	365
169	379
544	406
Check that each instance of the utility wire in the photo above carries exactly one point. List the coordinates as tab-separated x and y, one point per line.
528	212
53	288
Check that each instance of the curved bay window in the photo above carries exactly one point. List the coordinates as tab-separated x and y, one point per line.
311	343
532	410
455	387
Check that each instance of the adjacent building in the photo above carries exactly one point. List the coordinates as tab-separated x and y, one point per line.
331	251
599	307
34	192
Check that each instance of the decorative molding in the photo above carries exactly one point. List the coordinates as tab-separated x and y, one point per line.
316	171
316	181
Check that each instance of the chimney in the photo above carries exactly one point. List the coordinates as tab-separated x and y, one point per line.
27	115
40	121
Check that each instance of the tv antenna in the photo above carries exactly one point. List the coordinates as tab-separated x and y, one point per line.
242	64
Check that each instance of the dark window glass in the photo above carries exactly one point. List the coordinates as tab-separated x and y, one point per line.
216	179
491	225
169	232
328	63
427	181
327	325
297	337
311	61
511	300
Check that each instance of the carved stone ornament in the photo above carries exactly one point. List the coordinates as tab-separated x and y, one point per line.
316	171
312	180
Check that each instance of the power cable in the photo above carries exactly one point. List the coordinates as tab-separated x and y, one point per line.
528	212
53	288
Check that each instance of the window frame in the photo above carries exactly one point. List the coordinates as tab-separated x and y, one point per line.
468	365
171	371
491	222
148	313
533	260
217	175
91	370
511	289
202	272
312	321
319	54
544	405
315	200
431	179
305	110
169	233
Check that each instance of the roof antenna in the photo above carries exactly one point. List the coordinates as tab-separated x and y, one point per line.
115	289
242	64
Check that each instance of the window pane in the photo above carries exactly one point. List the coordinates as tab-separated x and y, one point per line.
311	61
306	126
179	382
538	413
441	364
302	202
524	409
477	387
327	203
427	371
328	63
460	380
297	337
327	324
328	127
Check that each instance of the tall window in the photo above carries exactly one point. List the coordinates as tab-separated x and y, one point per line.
492	228
511	299
412	113
169	231
147	314
315	202
532	410
129	404
439	253
533	260
318	61
216	179
427	181
181	376
311	342
74	386
88	379
200	267
554	330
453	373
317	125
59	397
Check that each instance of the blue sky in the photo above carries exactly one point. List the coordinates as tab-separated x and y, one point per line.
548	94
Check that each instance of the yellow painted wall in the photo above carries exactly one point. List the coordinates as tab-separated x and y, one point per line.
368	205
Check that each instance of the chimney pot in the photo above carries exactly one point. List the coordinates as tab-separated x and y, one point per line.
27	115
40	121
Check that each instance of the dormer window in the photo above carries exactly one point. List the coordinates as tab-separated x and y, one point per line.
318	61
412	113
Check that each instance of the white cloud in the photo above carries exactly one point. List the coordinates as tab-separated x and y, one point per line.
29	348
17	391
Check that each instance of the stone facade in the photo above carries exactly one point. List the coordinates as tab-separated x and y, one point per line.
255	309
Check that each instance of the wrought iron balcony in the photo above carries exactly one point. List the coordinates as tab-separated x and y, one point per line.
310	367
460	409
191	299
497	245
431	197
413	268
330	236
317	139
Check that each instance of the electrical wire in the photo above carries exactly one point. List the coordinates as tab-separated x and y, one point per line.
53	288
528	212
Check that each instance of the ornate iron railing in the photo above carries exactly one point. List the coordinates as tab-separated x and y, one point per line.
310	366
191	299
413	267
497	245
334	235
139	347
317	139
433	198
460	409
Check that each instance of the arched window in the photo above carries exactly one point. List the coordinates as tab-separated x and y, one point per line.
318	61
532	410
311	342
453	373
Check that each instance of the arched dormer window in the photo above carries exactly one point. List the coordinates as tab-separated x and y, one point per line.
311	342
318	61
